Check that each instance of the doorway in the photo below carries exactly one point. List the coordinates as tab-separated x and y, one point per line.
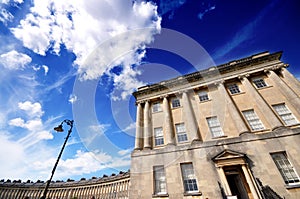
237	182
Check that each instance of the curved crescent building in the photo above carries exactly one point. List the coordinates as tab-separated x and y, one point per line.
228	132
114	186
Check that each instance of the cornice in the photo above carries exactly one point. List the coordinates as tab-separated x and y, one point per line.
209	74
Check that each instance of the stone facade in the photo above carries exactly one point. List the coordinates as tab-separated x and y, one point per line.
230	131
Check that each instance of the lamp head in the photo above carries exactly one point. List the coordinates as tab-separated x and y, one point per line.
59	128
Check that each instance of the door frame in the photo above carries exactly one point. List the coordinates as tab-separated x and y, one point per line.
229	158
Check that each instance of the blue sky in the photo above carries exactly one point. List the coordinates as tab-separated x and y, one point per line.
81	60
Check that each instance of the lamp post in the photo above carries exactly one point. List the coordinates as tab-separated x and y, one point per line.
59	128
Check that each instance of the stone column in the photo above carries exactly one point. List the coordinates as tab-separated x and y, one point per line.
251	183
290	95
168	126
224	181
193	133
139	127
147	126
261	103
232	109
290	80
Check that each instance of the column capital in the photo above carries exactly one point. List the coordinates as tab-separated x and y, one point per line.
279	66
218	82
184	91
138	103
163	96
242	77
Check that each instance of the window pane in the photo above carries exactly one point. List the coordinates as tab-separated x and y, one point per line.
156	107
233	88
159	136
253	120
259	83
175	102
287	117
214	127
285	168
203	96
181	132
159	180
189	178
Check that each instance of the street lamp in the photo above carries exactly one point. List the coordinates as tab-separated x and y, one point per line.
59	128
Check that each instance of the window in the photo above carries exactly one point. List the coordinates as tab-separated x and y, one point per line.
189	178
285	168
234	88
214	126
181	132
253	120
203	96
160	185
159	136
175	102
285	114
156	107
259	82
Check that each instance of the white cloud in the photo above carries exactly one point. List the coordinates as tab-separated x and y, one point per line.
14	60
12	1
37	68
46	69
83	163
19	122
124	152
11	153
72	98
85	27
36	130
32	109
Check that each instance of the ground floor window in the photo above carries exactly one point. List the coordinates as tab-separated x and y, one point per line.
285	168
189	178
160	185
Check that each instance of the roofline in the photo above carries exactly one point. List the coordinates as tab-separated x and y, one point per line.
220	69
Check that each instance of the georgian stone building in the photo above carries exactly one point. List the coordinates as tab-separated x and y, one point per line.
230	131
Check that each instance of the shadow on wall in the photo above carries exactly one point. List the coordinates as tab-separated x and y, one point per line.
267	191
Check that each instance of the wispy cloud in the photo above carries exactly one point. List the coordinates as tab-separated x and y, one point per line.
5	16
14	60
60	82
206	10
170	6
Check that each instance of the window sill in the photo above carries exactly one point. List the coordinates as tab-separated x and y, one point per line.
292	125
153	112
160	195
192	193
263	87
261	130
237	93
217	137
292	186
205	101
177	107
159	146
